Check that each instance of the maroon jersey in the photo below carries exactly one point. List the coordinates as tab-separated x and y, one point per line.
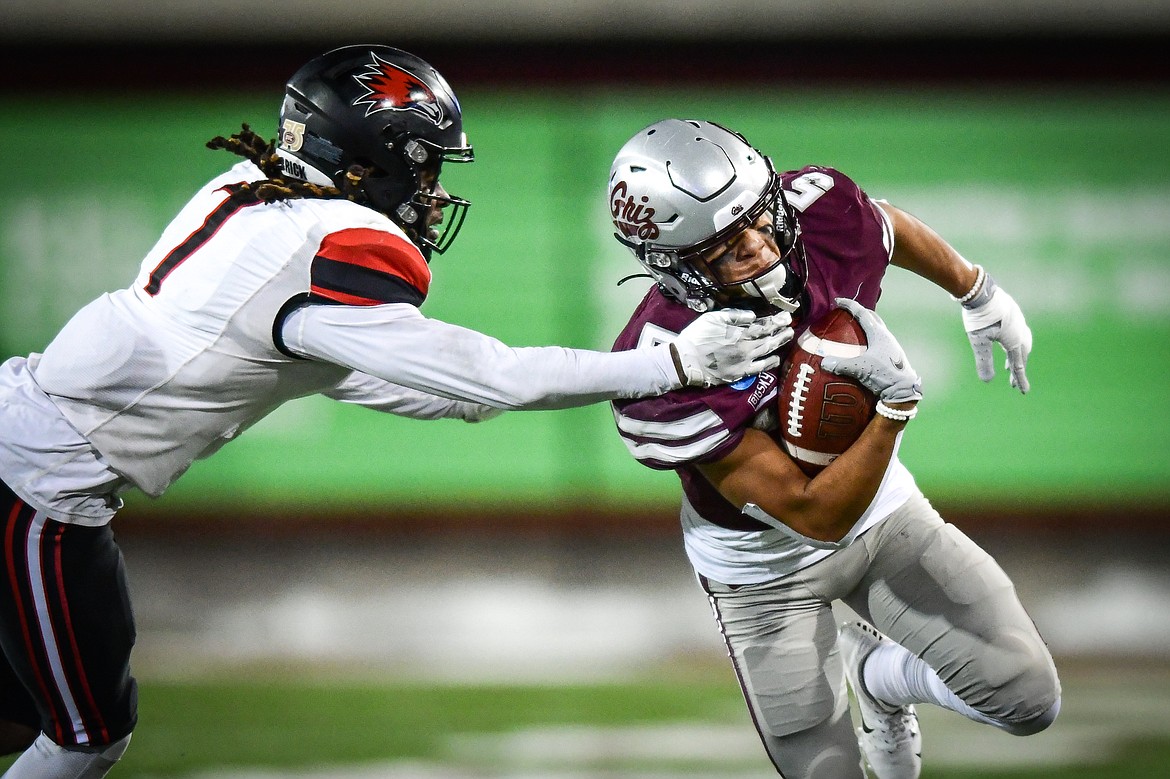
847	242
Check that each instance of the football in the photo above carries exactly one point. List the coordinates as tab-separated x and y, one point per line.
822	414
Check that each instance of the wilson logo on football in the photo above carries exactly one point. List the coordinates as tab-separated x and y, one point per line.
631	218
390	88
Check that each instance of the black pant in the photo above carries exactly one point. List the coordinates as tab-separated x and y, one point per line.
66	628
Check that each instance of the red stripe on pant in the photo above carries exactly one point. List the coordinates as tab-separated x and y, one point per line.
36	579
95	725
22	515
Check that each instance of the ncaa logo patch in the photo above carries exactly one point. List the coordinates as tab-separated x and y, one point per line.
745	383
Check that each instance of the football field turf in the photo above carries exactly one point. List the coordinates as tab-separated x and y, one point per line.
1115	723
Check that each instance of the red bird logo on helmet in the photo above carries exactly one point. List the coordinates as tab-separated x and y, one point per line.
390	88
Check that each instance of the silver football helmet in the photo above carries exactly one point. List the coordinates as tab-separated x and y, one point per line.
680	187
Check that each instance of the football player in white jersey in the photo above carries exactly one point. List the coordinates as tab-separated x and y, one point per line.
298	271
714	224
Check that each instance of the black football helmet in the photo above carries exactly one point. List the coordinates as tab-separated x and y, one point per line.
389	112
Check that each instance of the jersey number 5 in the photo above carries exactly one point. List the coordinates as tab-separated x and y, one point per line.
804	190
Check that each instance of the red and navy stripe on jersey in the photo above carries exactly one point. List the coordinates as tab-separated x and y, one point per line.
361	266
66	628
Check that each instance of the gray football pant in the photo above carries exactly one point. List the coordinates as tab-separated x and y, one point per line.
920	581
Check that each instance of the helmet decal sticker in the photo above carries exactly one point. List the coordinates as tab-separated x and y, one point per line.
631	218
292	135
390	88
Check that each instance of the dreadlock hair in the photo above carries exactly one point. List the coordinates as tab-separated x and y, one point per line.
276	187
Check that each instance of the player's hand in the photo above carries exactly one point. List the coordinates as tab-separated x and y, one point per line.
883	367
993	316
724	346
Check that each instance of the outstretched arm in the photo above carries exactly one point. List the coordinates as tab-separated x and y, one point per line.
377	394
990	315
396	343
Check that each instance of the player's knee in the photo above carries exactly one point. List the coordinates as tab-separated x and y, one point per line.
781	721
1039	688
794	704
812	741
1034	725
1030	700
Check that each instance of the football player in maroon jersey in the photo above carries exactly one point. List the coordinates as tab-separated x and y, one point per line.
715	225
299	271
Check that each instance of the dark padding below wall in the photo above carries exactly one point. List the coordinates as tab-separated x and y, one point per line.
69	67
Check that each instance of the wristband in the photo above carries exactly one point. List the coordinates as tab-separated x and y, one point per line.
898	415
980	275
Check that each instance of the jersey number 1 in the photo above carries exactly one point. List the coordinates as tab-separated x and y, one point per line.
176	256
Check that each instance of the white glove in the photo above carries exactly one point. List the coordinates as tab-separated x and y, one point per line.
992	315
883	367
724	346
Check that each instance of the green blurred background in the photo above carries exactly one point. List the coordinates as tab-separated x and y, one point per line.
338	594
1062	193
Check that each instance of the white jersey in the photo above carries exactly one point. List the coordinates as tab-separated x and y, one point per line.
240	307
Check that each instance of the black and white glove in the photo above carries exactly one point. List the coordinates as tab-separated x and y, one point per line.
992	315
724	346
882	368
